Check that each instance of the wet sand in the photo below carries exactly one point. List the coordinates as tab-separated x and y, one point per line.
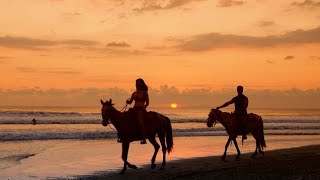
192	158
294	163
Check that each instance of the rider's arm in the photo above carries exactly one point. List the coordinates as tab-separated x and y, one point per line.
246	103
147	101
130	100
226	104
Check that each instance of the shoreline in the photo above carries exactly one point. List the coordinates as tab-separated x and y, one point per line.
290	163
101	159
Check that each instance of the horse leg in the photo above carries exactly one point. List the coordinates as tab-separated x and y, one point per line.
260	151
238	150
257	145
125	150
164	149
156	149
225	150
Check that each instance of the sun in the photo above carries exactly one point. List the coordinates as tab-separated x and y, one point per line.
173	105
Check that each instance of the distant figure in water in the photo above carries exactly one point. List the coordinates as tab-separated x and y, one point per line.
34	122
141	102
240	104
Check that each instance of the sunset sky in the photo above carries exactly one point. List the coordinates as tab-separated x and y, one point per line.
52	49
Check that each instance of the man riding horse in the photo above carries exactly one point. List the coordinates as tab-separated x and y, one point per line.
240	112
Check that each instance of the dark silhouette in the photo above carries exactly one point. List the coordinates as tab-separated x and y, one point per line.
240	111
129	131
254	125
34	122
141	102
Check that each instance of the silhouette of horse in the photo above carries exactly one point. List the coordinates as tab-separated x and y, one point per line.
128	129
254	125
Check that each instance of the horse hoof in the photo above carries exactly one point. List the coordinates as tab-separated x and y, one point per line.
223	158
261	152
132	166
163	165
153	166
122	172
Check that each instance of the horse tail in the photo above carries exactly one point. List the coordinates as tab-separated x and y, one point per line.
262	142
169	138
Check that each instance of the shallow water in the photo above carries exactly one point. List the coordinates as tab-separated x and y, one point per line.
69	158
85	123
70	141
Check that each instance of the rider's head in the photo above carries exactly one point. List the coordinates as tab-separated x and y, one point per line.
240	89
141	85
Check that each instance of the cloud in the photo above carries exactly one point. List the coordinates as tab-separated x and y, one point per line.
72	14
307	4
289	58
151	5
269	61
118	44
230	3
26	69
22	42
38	44
315	58
209	41
63	71
266	23
6	57
79	42
207	98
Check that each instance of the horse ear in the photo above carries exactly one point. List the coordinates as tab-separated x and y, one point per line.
101	102
110	101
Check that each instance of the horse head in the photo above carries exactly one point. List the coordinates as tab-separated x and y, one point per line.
106	111
213	117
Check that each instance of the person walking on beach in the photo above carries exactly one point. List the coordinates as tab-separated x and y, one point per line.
33	121
141	102
240	104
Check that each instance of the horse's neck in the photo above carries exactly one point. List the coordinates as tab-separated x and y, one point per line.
225	118
115	118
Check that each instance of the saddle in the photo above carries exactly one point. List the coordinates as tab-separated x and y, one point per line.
132	114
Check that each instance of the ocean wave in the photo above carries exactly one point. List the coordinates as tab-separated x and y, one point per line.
111	134
43	117
98	120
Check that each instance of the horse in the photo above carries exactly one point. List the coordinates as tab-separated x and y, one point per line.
129	131
254	126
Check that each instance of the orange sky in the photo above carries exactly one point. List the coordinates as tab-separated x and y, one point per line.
216	44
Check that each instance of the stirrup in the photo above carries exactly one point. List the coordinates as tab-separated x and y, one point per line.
244	137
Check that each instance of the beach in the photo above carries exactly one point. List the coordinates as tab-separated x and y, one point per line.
295	156
71	143
292	163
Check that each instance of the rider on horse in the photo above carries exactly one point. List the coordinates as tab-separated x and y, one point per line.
141	98
240	103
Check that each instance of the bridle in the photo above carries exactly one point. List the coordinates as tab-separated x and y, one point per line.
214	119
108	121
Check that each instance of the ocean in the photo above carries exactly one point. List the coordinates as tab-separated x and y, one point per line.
68	142
85	122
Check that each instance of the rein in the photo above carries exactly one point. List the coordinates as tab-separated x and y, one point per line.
215	123
124	108
111	127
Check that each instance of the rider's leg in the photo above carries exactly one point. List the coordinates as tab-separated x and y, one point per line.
140	117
